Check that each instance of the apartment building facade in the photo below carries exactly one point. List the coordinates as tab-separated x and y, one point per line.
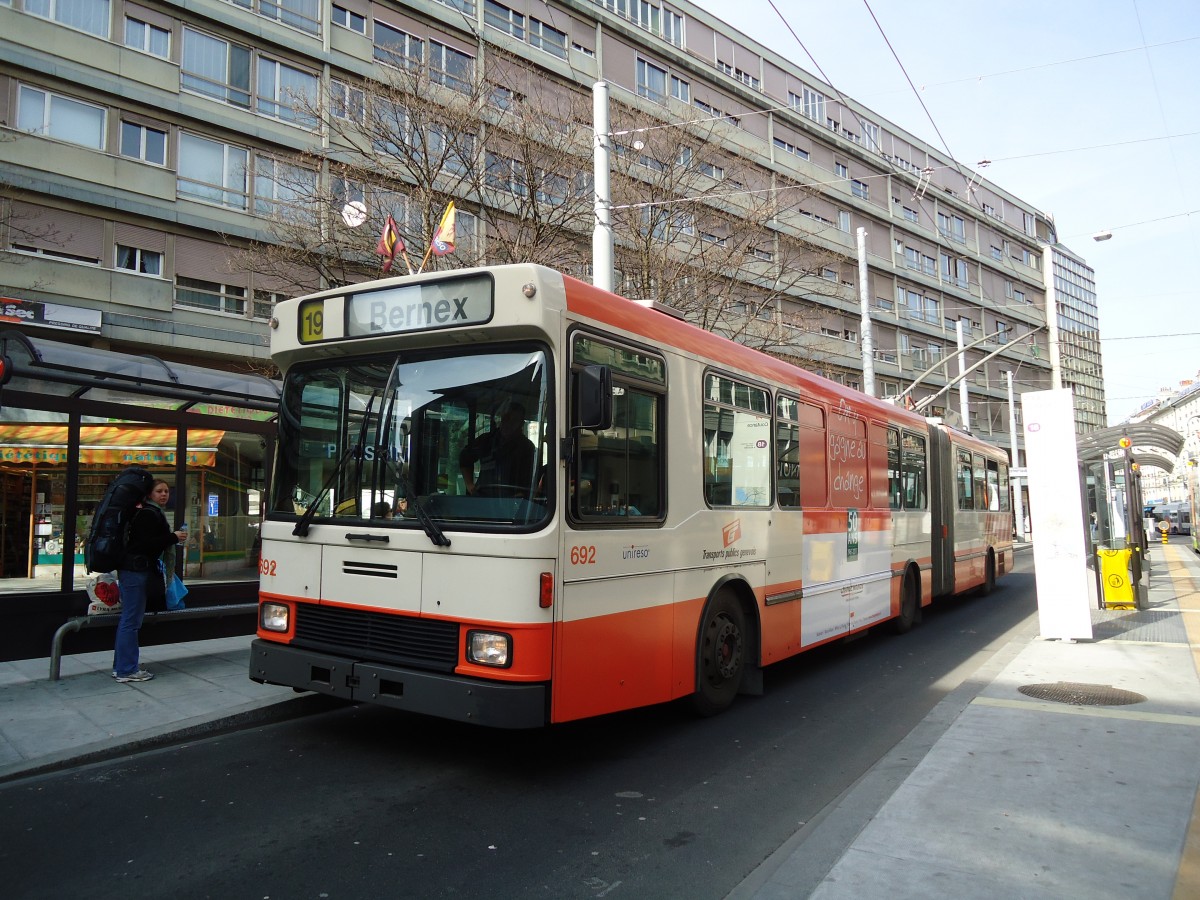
150	146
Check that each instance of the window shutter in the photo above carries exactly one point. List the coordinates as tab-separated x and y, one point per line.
56	230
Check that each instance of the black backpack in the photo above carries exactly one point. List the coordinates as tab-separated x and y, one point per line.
106	539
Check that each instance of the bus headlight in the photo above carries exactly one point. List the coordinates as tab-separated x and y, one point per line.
273	616
488	648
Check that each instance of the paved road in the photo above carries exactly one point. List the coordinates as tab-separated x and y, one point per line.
364	802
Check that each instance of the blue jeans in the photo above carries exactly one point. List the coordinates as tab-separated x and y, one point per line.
133	610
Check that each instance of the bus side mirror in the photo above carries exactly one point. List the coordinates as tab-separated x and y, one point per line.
595	398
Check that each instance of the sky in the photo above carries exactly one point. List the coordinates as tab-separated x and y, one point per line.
1089	111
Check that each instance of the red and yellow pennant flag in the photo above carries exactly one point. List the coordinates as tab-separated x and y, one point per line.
390	243
443	238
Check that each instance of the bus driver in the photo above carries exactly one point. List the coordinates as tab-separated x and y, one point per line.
505	456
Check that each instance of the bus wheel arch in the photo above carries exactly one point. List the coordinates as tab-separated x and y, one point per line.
726	652
910	601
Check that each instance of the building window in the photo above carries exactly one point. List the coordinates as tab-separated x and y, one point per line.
860	189
673	27
811	103
264	303
844	220
586	51
346	101
286	93
504	19
651	82
952	227
546	38
56	254
911	214
91	16
741	75
394	47
1029	224
59	117
349	19
300	14
996	252
465	6
216	68
148	38
715	113
502	173
450	67
281	189
954	270
840	170
135	259
680	89
791	148
144	143
211	296
870	135
212	171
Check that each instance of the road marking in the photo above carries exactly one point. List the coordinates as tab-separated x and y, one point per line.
1102	712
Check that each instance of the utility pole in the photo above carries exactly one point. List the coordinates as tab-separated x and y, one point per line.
1018	500
602	235
864	299
962	379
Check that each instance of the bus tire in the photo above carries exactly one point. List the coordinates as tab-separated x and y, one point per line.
910	606
989	575
721	654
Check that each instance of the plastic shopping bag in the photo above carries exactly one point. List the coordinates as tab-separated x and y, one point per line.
176	591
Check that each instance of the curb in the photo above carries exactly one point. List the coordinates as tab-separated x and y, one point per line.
254	713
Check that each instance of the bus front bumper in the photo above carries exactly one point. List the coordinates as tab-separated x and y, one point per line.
494	704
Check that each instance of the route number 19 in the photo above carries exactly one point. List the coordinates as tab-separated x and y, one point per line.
312	321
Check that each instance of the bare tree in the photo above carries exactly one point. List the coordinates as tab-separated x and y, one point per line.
404	146
725	242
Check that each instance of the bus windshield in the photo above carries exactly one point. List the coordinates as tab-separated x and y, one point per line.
416	439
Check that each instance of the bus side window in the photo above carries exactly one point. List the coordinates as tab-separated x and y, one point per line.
895	498
912	467
966	496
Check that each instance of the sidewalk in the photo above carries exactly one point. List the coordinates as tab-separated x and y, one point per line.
1001	792
996	794
202	686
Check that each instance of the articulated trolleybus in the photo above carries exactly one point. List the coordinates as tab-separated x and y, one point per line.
507	497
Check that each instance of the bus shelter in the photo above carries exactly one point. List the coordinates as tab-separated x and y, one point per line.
1111	462
71	418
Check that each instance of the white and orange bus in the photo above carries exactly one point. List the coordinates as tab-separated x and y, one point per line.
507	497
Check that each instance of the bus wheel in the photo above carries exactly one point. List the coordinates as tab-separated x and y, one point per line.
989	575
721	655
910	606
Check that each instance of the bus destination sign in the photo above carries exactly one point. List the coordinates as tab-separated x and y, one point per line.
420	307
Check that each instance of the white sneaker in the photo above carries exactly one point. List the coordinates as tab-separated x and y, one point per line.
139	675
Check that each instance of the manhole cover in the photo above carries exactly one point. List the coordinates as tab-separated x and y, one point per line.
1081	694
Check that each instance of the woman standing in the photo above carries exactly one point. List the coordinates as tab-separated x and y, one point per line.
148	537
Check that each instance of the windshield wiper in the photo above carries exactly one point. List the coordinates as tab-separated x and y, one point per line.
432	530
301	529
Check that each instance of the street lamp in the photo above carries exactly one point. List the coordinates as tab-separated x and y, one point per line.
1102	236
